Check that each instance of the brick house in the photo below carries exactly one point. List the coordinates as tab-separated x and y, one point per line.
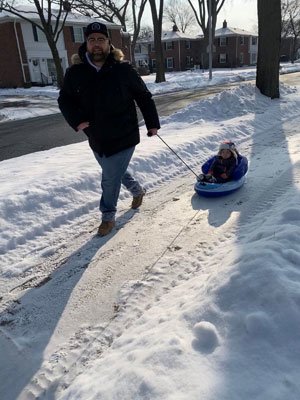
287	47
234	47
25	55
181	51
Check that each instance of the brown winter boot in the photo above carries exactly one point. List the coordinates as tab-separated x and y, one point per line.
105	228
137	200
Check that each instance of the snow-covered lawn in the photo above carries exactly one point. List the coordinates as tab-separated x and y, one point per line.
189	298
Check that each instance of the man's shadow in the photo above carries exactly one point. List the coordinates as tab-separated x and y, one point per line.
27	325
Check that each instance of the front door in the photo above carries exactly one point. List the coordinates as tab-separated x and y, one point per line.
36	70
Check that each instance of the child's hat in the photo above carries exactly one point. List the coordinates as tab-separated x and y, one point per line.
228	145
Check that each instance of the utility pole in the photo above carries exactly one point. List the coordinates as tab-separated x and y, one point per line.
209	41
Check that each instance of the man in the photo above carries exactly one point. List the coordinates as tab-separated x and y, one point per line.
98	96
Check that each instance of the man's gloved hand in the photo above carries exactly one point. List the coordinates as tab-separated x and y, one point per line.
152	132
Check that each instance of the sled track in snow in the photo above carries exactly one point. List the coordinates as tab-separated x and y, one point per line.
270	194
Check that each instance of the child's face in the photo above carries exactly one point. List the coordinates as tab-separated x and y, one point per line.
225	153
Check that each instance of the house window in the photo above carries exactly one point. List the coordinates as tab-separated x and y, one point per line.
188	61
254	41
138	49
223	58
169	46
170	62
152	48
241	58
41	36
223	41
78	34
253	58
242	39
153	61
38	35
188	44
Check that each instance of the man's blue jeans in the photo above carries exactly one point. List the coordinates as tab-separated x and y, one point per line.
114	172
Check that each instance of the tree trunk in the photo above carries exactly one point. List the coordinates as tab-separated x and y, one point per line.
133	44
269	37
57	62
204	54
157	28
137	14
160	66
294	51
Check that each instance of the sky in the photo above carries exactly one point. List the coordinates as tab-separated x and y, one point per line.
238	14
188	298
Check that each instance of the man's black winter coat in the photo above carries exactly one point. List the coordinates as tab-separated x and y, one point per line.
106	99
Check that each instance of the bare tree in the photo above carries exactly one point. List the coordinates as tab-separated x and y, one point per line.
51	23
157	16
107	10
291	22
203	18
269	37
137	13
117	12
179	13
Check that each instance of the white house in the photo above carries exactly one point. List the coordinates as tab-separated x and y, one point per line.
26	58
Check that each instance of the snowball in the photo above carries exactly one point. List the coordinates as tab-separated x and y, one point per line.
207	338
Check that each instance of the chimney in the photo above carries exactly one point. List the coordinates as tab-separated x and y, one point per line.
175	28
224	24
67	6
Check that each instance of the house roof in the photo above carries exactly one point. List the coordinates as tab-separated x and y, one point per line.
176	35
72	18
168	36
228	31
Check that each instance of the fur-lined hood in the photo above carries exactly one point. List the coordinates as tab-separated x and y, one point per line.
78	58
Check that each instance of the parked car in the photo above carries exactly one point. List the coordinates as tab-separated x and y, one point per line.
284	58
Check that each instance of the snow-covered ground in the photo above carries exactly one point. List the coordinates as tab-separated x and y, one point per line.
36	101
189	298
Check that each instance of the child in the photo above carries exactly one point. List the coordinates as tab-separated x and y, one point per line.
223	164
